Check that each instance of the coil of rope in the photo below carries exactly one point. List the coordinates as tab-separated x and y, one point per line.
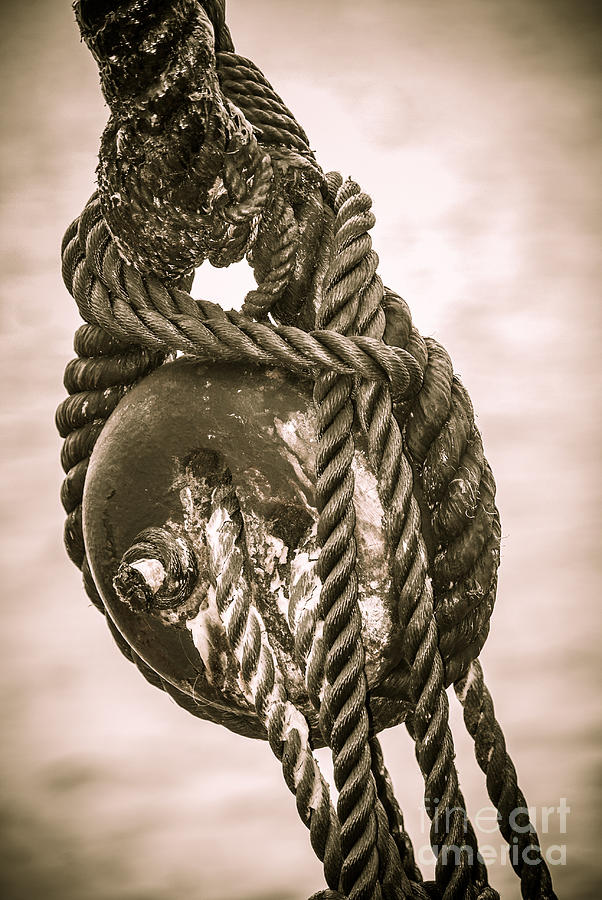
201	160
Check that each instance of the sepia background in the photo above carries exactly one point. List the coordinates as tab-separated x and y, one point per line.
475	127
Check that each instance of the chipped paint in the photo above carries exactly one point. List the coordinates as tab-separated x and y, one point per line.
305	586
201	627
297	434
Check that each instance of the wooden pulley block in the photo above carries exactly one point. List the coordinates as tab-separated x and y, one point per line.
200	465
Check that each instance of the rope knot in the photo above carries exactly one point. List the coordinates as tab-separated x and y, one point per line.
202	160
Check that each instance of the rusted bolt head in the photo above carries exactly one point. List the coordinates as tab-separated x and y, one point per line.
159	571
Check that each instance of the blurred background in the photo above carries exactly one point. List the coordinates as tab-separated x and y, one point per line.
475	127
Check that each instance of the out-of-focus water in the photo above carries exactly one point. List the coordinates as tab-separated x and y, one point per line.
475	127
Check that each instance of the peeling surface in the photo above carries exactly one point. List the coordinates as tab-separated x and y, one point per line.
305	585
284	585
298	437
374	581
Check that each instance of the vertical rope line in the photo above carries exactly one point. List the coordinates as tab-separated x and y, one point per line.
386	795
343	709
502	785
261	680
429	726
352	267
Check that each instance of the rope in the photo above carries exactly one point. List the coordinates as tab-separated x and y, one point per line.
259	679
246	86
396	827
409	568
344	720
502	785
201	159
128	305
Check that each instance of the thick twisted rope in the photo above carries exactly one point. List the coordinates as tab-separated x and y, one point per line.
463	541
458	490
260	679
464	538
247	87
502	785
335	676
115	296
256	189
344	717
395	489
396	827
96	381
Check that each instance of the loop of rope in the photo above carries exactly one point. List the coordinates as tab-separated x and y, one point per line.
115	296
246	86
226	171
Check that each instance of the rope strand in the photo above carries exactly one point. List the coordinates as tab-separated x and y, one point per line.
215	166
502	785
